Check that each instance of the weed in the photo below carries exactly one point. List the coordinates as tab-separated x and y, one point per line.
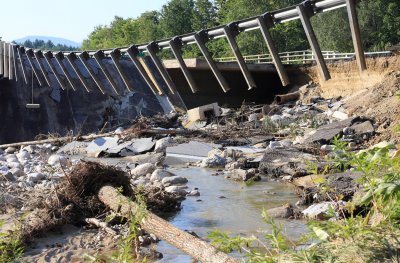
11	247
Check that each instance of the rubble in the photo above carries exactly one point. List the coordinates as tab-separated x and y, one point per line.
291	141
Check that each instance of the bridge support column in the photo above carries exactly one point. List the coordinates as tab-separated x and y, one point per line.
99	56
176	46
265	22
84	57
14	53
1	58
39	56
48	57
11	69
201	38
153	48
115	56
231	31
6	60
29	56
59	58
305	11
71	57
133	52
355	34
21	51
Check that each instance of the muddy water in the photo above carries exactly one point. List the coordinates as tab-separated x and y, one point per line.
228	206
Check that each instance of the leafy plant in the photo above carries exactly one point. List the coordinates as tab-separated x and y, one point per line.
11	247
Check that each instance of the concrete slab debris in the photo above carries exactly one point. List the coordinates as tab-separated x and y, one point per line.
202	112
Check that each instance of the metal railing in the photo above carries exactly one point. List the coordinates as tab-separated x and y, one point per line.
301	57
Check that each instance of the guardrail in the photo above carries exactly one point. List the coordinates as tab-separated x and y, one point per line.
301	57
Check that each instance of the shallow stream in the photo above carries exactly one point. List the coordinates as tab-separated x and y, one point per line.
228	206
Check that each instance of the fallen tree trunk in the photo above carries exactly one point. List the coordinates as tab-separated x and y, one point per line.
142	132
280	99
61	139
198	249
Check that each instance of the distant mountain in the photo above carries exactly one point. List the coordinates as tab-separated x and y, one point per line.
55	40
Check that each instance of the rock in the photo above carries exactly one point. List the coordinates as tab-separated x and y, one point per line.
275	145
143	169
10	150
141	182
31	149
326	133
16	172
14	164
328	148
363	128
233	165
285	211
254	117
243	175
213	161
35	177
340	115
194	193
162	144
174	180
57	159
177	189
23	155
281	162
321	210
7	176
160	174
119	130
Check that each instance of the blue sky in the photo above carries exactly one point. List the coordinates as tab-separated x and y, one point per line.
70	19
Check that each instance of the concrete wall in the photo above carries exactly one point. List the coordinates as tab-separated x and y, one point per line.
62	111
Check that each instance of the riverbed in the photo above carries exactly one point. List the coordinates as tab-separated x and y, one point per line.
228	206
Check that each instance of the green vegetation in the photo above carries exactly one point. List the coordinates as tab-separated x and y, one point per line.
46	45
11	247
379	22
367	229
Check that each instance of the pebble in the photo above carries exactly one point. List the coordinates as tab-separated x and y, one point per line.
194	193
10	150
57	159
35	177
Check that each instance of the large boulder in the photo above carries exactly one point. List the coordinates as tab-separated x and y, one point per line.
282	162
326	133
142	170
160	174
174	180
162	144
285	211
213	161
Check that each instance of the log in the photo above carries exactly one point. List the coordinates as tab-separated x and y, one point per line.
198	249
280	99
61	139
90	137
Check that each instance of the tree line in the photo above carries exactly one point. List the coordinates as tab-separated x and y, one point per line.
379	22
47	45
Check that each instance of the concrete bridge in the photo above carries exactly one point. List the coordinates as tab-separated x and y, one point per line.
82	91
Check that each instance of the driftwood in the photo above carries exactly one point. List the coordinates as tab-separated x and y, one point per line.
198	249
61	139
102	225
280	99
139	133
